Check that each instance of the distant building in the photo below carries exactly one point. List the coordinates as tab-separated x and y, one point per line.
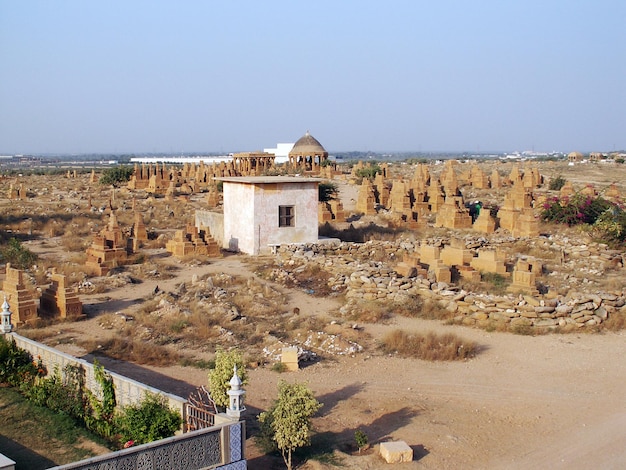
574	157
281	151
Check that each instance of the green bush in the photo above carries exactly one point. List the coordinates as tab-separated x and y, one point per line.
115	176
62	393
17	367
220	375
19	257
368	172
610	227
575	210
147	421
557	183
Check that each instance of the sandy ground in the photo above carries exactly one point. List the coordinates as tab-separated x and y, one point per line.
554	401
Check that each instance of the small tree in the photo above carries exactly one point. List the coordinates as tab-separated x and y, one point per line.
361	439
327	191
220	375
288	421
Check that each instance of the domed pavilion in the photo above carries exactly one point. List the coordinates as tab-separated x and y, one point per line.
307	154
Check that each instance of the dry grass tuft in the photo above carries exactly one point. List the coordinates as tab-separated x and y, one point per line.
430	347
368	312
129	349
419	308
615	322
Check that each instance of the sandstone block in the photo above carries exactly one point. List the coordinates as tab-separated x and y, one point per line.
396	452
531	300
289	357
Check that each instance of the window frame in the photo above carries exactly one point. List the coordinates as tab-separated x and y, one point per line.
286	216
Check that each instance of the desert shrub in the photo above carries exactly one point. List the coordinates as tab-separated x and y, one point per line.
134	350
497	282
615	322
418	308
116	175
522	329
279	367
430	347
368	312
610	227
19	257
148	421
557	183
579	209
368	172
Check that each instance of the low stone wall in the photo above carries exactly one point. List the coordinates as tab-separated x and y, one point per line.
127	391
377	281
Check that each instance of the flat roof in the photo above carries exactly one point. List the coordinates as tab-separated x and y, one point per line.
268	179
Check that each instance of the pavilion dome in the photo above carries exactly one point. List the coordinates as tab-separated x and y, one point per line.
308	145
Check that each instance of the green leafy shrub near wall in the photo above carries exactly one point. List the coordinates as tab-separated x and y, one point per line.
65	392
147	421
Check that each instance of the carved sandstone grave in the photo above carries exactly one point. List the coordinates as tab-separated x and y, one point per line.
61	301
21	299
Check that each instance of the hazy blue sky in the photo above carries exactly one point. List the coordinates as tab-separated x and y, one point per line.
179	76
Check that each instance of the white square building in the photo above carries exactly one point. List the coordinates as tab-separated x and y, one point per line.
261	212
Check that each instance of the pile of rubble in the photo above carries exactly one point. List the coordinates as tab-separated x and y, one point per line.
354	273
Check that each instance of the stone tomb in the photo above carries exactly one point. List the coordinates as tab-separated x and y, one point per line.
490	261
21	300
366	199
193	240
58	300
108	249
453	214
485	223
526	224
456	254
525	277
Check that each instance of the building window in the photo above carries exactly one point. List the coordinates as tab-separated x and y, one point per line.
286	216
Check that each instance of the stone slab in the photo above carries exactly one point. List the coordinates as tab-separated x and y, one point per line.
396	452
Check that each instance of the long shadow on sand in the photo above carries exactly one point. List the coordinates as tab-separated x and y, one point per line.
144	375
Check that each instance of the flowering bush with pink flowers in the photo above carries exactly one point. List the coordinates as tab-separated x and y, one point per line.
575	210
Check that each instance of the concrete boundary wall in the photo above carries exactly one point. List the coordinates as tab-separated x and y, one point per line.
218	447
127	391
